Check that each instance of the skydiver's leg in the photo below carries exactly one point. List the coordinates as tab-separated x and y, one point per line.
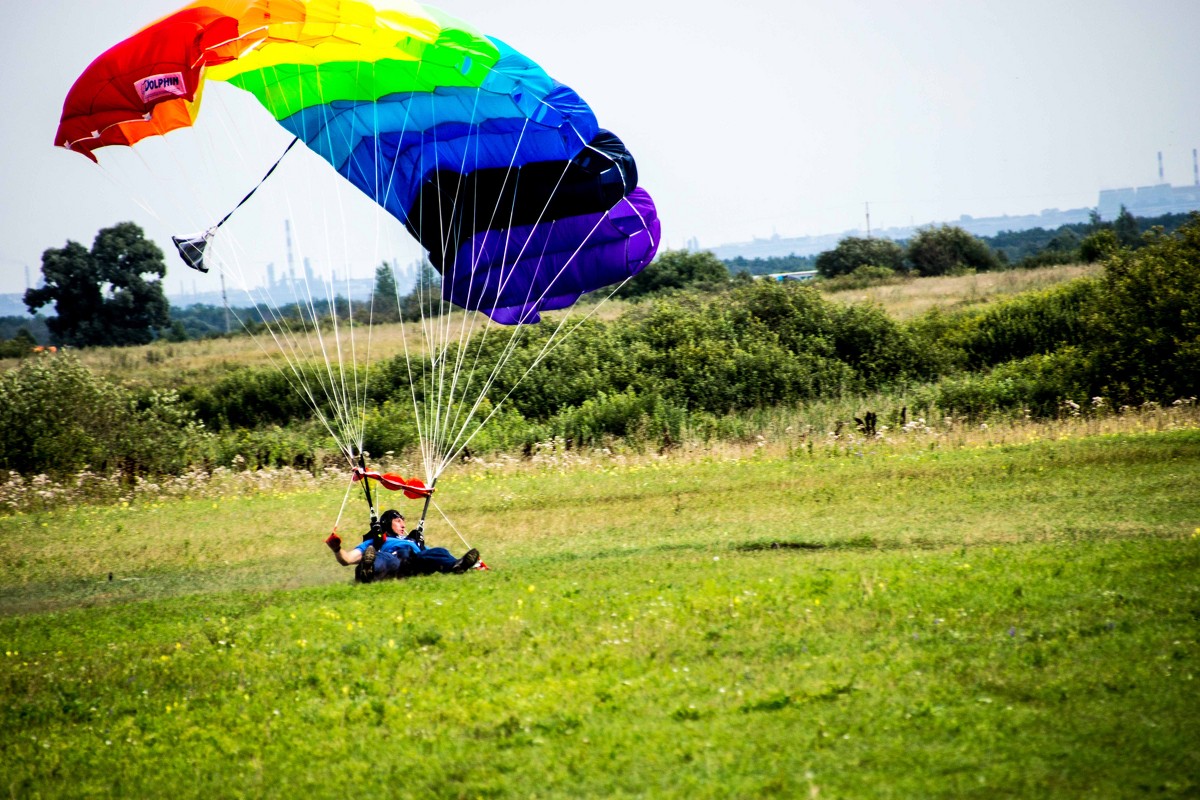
434	559
387	565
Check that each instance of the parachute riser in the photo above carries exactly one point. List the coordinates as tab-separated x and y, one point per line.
428	500
366	482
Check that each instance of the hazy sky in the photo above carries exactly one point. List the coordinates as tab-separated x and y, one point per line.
746	118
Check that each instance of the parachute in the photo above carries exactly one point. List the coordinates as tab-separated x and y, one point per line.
521	201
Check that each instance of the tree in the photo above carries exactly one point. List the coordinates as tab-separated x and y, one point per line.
425	299
949	250
384	297
677	269
1126	228
854	252
101	297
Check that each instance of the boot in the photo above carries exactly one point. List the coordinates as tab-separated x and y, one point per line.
469	559
365	571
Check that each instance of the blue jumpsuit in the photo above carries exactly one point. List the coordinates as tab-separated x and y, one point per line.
403	557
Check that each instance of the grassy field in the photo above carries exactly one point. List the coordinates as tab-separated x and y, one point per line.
175	364
1005	617
911	298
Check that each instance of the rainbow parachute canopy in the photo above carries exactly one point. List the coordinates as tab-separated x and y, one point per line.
523	202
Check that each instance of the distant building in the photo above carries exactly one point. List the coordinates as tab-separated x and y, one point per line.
1149	201
1144	201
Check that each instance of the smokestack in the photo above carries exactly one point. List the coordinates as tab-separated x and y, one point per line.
1195	168
1160	172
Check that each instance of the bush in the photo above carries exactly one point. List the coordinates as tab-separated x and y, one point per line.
627	415
1144	328
861	278
248	398
949	250
56	417
1029	324
677	269
1099	245
1037	385
20	346
853	253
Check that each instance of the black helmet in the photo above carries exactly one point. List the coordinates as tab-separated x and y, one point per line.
385	519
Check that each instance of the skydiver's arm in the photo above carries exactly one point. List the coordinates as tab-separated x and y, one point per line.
348	557
344	557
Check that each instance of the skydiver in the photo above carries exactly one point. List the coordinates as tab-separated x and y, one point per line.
393	553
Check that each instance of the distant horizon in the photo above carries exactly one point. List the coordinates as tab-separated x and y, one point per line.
964	220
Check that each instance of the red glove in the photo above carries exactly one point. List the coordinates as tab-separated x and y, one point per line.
334	542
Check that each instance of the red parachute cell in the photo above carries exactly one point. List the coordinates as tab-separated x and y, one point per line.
413	488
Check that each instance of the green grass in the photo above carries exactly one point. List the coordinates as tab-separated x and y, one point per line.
1006	621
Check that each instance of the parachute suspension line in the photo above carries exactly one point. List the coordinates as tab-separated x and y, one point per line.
517	335
447	453
528	239
346	433
456	398
404	324
428	370
348	406
334	388
469	318
297	379
445	430
362	424
451	524
183	168
438	323
286	344
137	198
547	348
345	499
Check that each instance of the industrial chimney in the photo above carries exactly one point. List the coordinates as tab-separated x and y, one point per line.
1160	169
1195	168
